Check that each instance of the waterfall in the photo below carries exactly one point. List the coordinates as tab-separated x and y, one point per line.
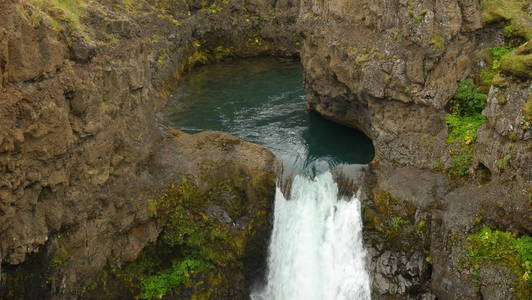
316	248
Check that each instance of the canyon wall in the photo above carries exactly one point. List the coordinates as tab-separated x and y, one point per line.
82	149
390	69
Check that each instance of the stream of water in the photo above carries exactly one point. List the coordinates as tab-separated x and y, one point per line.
316	250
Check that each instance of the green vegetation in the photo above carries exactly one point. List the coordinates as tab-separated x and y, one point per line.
438	42
397	222
503	248
515	61
512	11
463	130
389	215
157	286
192	249
503	162
519	62
464	121
527	109
468	99
202	55
62	11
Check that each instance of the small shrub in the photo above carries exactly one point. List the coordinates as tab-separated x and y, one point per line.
462	138
156	286
397	222
468	99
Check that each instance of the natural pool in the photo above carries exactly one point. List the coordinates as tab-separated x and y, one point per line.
262	100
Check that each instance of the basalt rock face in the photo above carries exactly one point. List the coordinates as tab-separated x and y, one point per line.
80	87
382	66
389	68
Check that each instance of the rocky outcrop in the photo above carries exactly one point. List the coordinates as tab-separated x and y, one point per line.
81	83
390	68
214	213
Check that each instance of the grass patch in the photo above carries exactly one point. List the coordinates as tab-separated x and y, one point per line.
438	42
66	12
494	66
512	11
503	248
463	122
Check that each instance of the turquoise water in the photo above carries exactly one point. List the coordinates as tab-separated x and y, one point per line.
263	101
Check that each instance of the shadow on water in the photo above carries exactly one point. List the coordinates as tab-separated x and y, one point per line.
262	101
335	143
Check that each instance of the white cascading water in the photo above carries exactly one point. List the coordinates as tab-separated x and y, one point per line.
316	248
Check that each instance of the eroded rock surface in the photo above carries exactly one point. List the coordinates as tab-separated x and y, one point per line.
390	68
80	85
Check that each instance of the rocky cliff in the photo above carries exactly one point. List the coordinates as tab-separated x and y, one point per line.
402	72
80	141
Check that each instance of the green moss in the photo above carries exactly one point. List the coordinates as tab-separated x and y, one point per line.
438	42
519	62
499	81
420	226
63	11
486	78
503	248
203	55
192	247
512	11
198	56
502	163
390	214
491	72
417	19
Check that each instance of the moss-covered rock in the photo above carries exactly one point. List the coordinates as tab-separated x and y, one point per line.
488	247
512	11
519	62
214	222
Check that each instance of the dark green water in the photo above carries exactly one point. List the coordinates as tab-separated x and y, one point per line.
263	101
